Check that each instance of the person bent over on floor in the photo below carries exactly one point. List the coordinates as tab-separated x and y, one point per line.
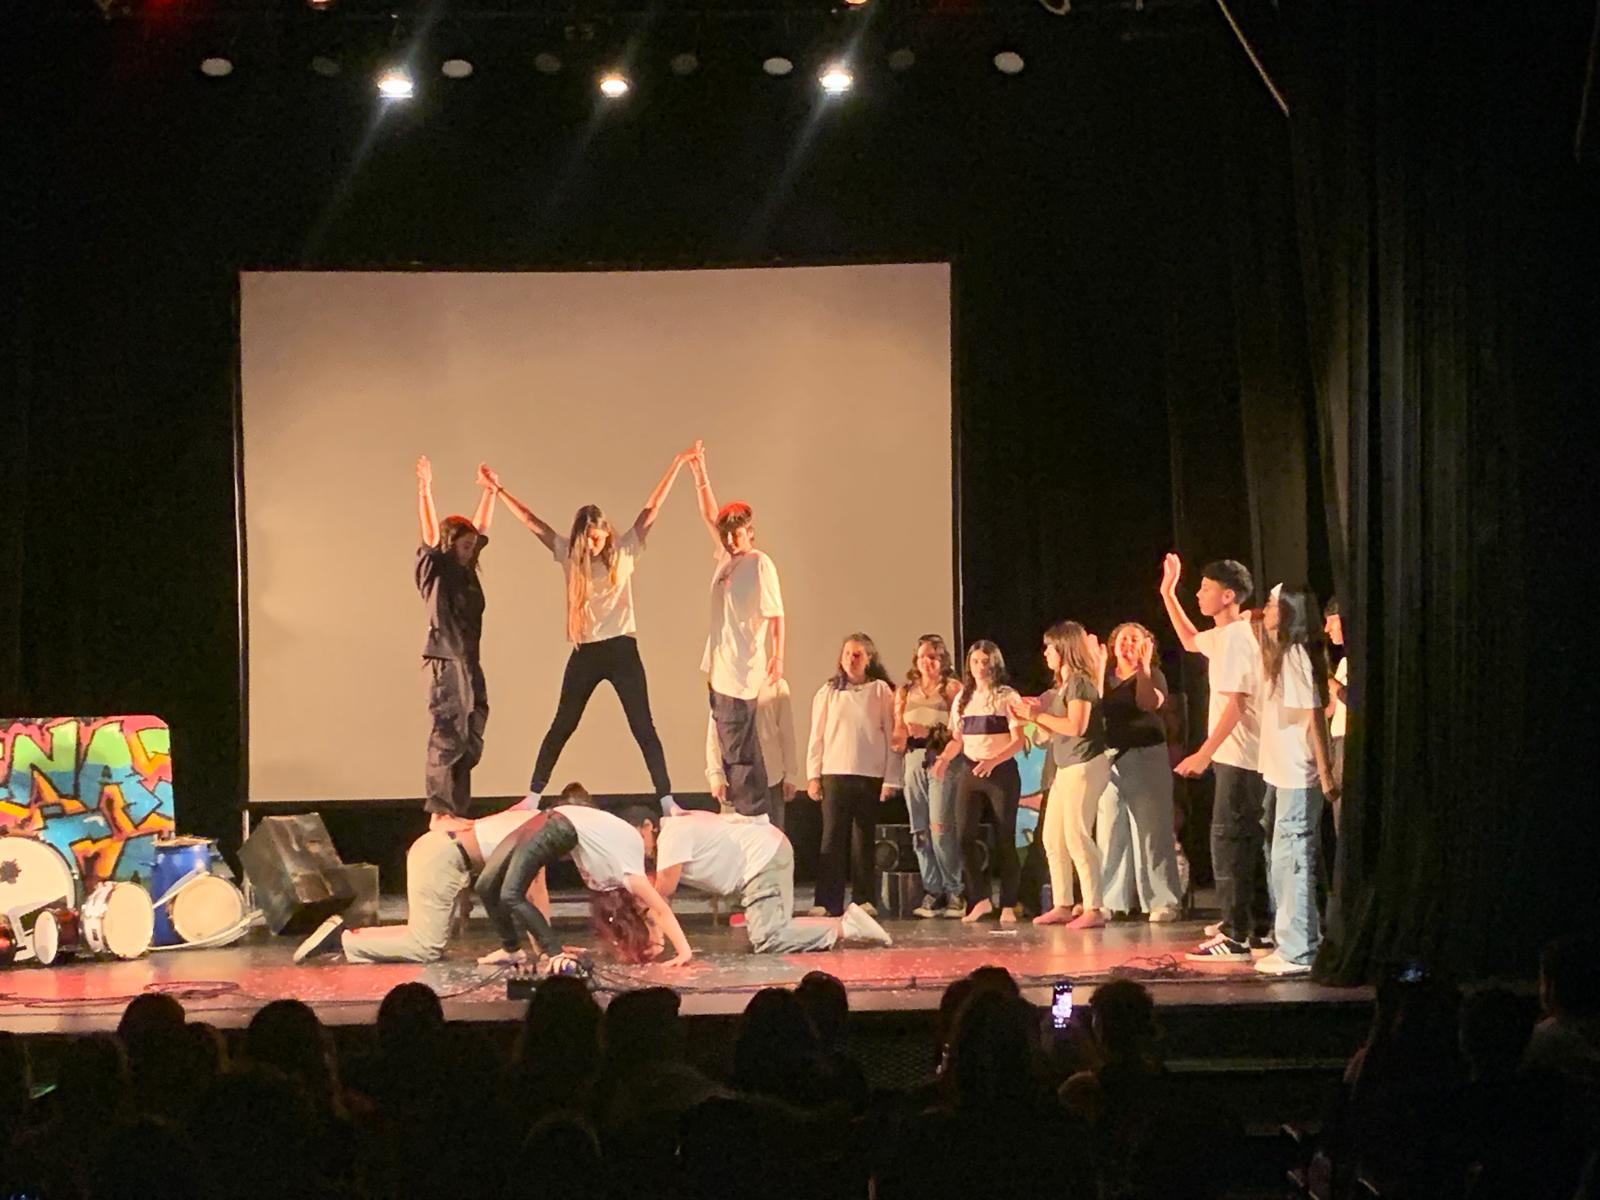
609	854
440	865
750	858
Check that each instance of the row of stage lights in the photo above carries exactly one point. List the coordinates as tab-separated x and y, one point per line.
398	83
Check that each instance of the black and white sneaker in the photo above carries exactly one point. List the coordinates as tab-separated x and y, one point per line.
931	906
1220	948
324	940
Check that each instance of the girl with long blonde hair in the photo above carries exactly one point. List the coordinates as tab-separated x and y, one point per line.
598	566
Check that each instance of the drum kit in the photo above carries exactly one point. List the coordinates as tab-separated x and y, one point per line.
47	914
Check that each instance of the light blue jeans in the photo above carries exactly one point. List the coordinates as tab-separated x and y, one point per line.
1296	828
933	828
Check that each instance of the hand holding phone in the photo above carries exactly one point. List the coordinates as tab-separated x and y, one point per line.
1061	1004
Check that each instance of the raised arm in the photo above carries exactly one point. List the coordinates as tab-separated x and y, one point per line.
483	516
1147	697
652	506
427	515
705	498
1171	568
547	535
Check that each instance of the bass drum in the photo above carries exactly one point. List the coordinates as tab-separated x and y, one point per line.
118	920
34	876
208	909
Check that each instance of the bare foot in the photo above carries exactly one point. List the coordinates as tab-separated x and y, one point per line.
1077	910
1092	918
979	910
1056	916
1008	916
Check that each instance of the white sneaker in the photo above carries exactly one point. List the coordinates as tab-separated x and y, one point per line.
1161	916
869	908
324	939
1277	964
858	926
503	958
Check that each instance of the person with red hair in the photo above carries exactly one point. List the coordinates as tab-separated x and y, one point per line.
458	700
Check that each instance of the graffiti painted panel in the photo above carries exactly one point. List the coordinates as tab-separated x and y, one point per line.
99	789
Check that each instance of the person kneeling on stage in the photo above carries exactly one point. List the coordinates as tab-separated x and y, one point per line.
440	865
609	854
750	858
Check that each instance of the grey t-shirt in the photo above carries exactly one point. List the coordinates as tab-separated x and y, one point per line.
1068	751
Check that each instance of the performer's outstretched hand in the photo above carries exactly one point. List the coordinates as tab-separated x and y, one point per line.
1097	660
488	477
424	470
1171	569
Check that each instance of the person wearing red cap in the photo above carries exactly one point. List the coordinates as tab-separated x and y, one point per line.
458	701
745	646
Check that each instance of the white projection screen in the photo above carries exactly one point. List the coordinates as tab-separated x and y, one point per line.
823	397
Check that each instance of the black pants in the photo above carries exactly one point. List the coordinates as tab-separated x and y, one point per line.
458	701
615	660
999	793
849	823
504	881
742	764
1237	858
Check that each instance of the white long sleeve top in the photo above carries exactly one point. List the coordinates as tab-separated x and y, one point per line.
852	731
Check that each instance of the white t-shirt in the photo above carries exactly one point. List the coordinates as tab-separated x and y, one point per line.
851	732
610	606
1342	674
1234	665
608	847
496	827
1286	757
744	594
718	855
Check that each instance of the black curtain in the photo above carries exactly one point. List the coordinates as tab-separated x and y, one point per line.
1447	248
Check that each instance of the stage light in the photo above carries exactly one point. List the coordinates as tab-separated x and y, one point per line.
902	59
319	5
395	84
325	66
216	66
455	68
777	66
546	63
836	80
685	63
1008	62
613	85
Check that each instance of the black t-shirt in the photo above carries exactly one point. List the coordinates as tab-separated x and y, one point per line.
455	603
1128	727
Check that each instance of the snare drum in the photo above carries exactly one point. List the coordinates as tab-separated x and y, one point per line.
57	934
176	857
118	920
207	908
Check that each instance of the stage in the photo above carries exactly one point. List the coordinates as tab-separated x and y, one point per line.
226	986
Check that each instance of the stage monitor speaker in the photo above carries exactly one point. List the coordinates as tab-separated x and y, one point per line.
892	849
298	879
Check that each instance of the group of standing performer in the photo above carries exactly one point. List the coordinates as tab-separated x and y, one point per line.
948	738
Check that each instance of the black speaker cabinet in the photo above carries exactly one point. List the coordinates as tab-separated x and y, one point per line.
298	879
898	893
892	850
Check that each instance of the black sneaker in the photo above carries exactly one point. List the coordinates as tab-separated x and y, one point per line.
955	906
1220	948
931	906
323	941
1263	941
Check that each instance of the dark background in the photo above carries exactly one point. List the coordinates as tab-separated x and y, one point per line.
1354	345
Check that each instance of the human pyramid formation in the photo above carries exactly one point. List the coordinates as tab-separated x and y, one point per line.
948	740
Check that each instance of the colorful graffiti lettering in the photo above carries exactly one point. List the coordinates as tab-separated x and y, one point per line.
99	789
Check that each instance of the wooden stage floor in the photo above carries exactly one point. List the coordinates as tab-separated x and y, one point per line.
226	986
